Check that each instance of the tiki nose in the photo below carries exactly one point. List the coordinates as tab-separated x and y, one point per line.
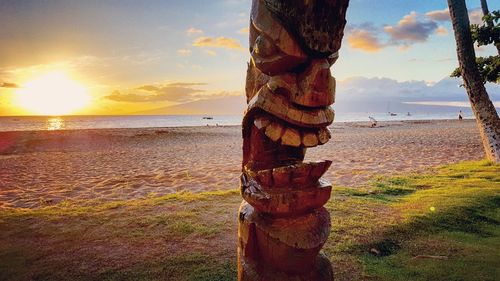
317	84
321	73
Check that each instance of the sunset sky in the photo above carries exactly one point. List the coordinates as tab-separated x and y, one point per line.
121	57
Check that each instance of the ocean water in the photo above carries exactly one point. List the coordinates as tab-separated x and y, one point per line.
31	123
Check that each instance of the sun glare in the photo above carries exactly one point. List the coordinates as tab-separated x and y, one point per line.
53	93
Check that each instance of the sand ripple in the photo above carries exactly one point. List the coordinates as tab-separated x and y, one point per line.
43	168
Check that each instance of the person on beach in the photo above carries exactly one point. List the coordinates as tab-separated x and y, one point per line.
460	116
374	122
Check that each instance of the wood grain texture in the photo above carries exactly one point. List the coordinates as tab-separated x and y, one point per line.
289	89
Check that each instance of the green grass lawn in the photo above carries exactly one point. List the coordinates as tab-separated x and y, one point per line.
438	226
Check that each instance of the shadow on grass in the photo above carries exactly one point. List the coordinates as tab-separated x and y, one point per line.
478	219
450	232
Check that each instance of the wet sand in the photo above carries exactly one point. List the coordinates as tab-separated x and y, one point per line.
40	168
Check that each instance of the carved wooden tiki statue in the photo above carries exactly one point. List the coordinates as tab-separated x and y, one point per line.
289	88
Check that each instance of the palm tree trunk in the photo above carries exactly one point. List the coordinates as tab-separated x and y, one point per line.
486	115
484	7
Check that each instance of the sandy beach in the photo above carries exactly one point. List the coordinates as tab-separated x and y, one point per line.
39	168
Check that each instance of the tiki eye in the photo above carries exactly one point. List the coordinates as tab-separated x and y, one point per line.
271	57
264	47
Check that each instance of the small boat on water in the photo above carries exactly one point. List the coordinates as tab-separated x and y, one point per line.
389	110
208	117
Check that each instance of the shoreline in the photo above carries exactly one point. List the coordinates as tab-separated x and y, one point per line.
230	126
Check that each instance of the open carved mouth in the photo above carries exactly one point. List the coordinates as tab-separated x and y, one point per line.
278	132
289	96
289	88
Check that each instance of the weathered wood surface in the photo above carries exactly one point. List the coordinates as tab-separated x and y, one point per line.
289	88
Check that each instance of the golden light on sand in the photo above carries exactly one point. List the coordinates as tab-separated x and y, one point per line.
53	93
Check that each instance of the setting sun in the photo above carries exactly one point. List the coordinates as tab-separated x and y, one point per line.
250	140
53	93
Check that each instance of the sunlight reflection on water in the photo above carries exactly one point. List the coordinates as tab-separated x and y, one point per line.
55	123
28	123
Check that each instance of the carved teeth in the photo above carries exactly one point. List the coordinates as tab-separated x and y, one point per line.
281	176
293	176
277	132
291	137
319	168
261	122
300	175
266	177
324	135
330	114
274	131
309	139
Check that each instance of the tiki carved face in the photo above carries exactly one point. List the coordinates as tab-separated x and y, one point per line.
289	91
289	88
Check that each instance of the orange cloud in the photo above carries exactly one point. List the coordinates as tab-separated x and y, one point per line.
244	30
364	40
410	29
439	15
475	15
218	42
441	31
